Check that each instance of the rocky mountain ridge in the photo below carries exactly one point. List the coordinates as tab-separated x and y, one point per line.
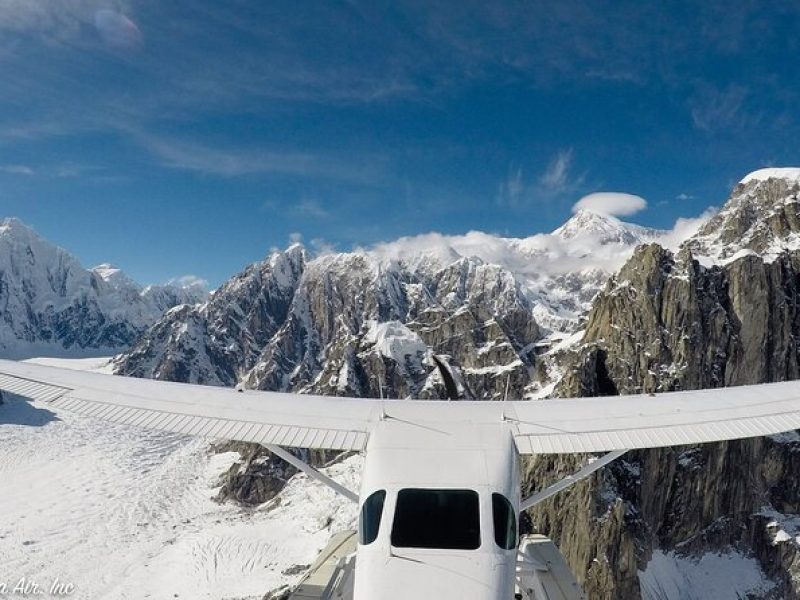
50	304
349	323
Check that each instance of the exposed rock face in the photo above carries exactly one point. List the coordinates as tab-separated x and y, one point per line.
216	343
667	323
348	324
50	304
256	479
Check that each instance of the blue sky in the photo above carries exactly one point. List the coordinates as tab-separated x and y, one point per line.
191	137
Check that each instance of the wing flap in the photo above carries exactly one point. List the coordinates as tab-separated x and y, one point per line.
210	427
33	390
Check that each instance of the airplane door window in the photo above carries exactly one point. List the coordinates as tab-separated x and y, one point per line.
369	522
505	522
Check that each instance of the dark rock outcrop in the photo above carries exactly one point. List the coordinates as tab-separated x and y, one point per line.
667	323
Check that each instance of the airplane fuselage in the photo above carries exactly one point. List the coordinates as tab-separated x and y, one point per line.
439	512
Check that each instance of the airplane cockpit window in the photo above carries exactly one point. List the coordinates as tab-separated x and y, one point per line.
370	519
505	522
443	519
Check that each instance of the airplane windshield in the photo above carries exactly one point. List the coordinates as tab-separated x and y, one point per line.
443	519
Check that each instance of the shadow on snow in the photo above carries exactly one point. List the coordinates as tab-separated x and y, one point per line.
14	411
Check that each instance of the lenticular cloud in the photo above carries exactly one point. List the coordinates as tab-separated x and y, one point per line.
613	204
116	29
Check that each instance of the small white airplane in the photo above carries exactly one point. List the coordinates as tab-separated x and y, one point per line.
440	495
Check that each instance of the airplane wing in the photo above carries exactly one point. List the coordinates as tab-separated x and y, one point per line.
539	427
656	420
221	413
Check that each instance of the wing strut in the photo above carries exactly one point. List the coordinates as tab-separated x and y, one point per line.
571	480
312	472
447	377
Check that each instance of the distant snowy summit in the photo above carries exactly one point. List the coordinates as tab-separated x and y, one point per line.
52	305
606	229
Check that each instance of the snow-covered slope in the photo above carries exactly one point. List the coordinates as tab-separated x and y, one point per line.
126	513
711	576
50	304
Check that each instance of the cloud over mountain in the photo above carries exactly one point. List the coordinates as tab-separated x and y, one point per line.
613	204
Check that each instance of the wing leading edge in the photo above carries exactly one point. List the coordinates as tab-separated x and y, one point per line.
538	427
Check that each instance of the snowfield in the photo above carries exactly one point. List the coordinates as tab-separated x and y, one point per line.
126	513
711	576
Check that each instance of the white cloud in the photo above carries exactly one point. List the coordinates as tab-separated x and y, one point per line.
685	228
716	109
684	196
556	177
186	281
116	29
539	257
557	180
511	191
235	162
66	21
322	247
17	170
296	237
308	207
611	203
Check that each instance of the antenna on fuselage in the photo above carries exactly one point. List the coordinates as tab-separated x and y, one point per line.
505	398
383	416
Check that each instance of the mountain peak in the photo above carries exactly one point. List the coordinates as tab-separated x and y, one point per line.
117	278
787	173
52	304
757	218
585	221
15	227
606	229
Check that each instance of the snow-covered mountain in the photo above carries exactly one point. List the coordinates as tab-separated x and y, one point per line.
760	218
559	273
50	304
343	322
